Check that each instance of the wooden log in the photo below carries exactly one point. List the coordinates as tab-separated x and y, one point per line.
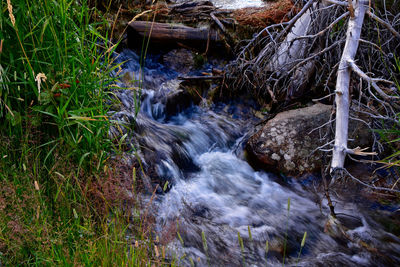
171	34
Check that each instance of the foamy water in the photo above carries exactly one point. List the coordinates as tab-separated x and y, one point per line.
216	195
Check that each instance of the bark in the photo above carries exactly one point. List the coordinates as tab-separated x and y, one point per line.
292	49
167	34
343	82
301	78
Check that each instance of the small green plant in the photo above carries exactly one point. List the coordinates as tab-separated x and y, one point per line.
303	242
391	134
178	234
249	231
286	232
205	246
191	262
199	60
203	238
241	248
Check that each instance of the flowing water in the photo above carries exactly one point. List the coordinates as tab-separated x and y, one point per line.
214	195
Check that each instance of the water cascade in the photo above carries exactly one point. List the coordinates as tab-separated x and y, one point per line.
225	211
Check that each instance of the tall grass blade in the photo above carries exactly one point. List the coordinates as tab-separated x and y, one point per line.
241	248
286	232
303	242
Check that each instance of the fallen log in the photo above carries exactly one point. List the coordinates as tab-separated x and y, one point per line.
171	34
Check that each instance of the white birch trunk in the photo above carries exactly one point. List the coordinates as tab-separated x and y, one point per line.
291	50
343	82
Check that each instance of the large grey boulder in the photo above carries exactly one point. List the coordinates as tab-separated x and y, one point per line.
288	142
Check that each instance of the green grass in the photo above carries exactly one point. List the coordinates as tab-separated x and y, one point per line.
65	227
390	134
60	203
57	39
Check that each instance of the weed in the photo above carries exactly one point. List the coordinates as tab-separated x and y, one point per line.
286	232
240	239
303	242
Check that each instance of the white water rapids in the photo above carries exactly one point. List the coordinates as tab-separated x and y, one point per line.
215	194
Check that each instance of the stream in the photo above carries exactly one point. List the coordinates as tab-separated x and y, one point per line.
213	195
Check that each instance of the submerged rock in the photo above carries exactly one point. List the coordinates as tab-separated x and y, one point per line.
288	143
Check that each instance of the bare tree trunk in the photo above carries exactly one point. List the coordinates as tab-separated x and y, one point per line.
292	49
343	81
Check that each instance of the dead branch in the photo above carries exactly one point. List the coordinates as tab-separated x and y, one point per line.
197	78
342	86
324	97
384	23
291	48
165	33
288	26
374	45
360	152
316	55
322	126
284	65
325	38
293	21
321	148
218	22
339	3
339	172
372	81
344	15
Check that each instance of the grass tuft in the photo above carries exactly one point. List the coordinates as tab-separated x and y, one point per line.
61	198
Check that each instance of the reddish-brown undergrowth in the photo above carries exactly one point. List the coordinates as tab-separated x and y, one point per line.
114	188
264	16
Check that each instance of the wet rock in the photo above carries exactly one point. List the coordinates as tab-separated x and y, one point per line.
288	142
176	96
180	60
177	101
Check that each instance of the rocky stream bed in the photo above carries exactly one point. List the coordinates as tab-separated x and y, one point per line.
238	186
213	193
